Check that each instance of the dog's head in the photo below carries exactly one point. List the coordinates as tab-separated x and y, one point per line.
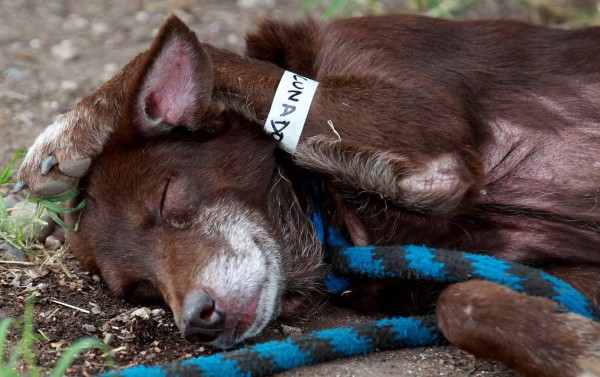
193	218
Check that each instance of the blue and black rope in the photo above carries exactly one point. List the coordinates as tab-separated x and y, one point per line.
424	263
415	262
272	357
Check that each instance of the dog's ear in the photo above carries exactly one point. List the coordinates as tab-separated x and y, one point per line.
173	84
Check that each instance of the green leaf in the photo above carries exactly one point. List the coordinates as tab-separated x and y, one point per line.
51	204
59	221
56	199
54	207
52	212
9	171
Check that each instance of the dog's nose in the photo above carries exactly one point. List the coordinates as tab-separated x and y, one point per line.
202	319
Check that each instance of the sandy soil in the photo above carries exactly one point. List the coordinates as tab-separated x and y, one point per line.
54	52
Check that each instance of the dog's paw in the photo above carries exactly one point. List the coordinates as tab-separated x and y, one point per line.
61	155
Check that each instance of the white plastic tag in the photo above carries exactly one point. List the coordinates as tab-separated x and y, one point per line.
289	109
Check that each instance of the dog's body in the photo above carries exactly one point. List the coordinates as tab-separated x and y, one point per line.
481	136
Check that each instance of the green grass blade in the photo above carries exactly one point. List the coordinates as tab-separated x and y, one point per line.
29	339
3	210
5	372
53	209
52	206
9	171
55	199
54	216
76	226
14	356
77	348
4	325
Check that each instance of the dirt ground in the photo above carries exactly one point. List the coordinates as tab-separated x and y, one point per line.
54	52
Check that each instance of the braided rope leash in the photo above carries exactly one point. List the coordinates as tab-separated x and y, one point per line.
407	262
272	357
424	263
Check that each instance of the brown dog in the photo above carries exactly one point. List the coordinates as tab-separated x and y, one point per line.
478	135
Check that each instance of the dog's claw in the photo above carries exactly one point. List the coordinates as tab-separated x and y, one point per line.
52	188
19	186
75	168
48	164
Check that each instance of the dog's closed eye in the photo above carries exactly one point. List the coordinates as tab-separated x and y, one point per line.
163	197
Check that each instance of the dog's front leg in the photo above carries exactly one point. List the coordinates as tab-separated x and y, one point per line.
417	151
76	137
441	185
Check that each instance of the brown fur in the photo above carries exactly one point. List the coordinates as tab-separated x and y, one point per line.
475	135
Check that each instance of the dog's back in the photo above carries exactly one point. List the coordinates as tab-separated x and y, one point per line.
529	94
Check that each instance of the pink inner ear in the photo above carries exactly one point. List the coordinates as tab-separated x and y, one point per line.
171	90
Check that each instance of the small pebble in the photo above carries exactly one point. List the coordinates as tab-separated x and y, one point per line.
96	310
250	4
16	46
89	328
142	313
214	27
290	330
96	278
13	73
109	70
11	253
35	43
100	27
108	338
11	200
75	22
69	85
25	211
52	243
141	16
65	50
157	313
